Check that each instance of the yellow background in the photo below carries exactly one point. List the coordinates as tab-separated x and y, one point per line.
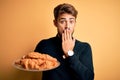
23	23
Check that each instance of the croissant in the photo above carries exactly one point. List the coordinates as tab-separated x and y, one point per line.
37	61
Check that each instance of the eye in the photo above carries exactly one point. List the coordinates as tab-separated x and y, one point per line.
72	21
62	21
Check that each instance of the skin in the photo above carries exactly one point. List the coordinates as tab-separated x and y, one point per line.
65	25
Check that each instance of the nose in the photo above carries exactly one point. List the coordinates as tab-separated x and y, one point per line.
67	25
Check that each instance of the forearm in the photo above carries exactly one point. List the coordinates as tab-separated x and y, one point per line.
80	69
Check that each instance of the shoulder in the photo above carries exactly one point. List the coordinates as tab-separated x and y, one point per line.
42	44
46	41
83	48
82	45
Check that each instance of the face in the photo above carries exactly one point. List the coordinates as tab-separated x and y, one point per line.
65	21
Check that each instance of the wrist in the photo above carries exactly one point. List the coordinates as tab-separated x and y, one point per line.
68	54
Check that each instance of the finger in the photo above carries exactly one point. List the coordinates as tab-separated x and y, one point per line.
63	36
73	39
67	34
70	35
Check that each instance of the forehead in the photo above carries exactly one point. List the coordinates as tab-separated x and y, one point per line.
66	16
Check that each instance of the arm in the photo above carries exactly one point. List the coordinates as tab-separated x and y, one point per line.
39	47
81	63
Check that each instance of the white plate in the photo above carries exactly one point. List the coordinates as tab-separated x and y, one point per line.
34	70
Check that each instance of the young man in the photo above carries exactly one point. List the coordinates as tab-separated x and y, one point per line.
75	57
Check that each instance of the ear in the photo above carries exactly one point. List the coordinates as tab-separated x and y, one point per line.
55	23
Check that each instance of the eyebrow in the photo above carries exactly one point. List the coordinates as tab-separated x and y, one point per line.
65	18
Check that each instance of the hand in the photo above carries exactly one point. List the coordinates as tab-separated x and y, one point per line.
68	42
